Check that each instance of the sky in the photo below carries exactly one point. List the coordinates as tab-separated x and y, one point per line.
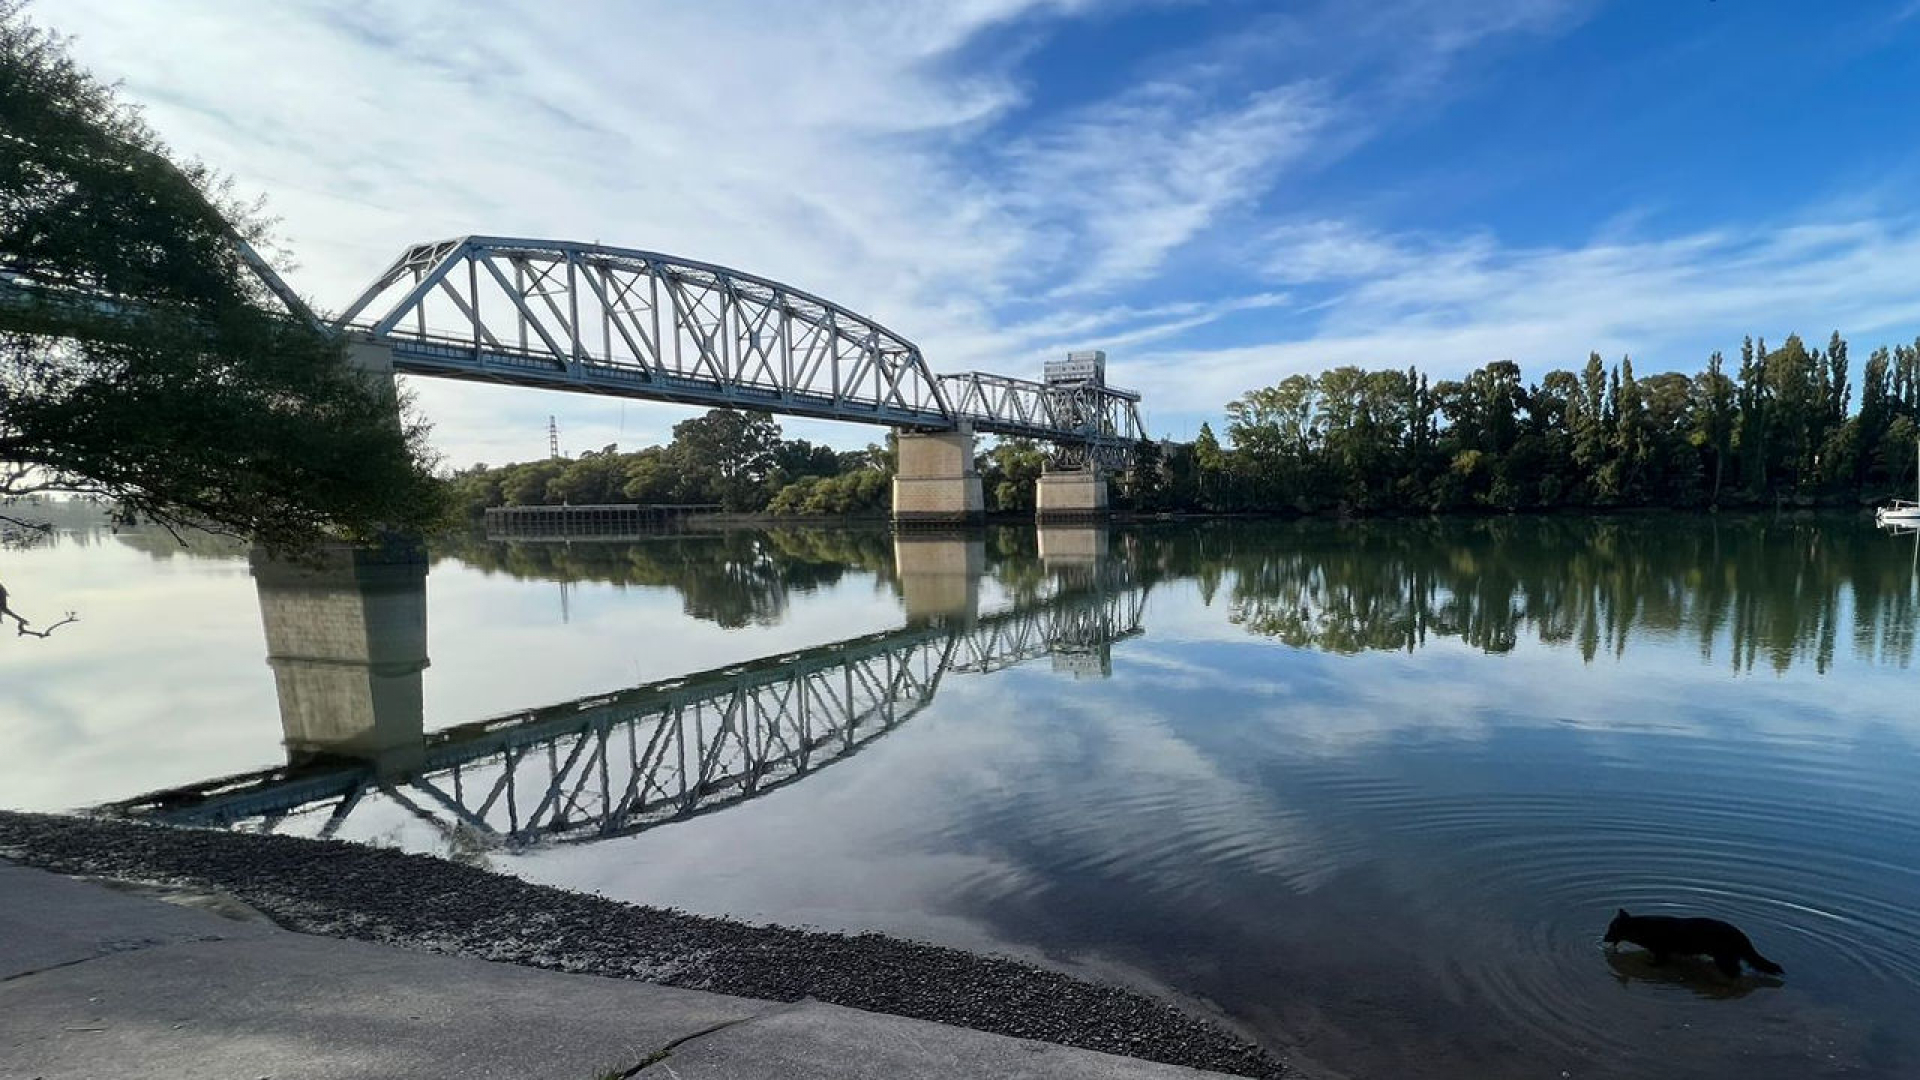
1217	194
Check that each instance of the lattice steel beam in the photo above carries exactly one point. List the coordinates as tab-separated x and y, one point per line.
1087	422
641	324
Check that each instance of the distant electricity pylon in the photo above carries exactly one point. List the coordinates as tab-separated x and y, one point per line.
553	439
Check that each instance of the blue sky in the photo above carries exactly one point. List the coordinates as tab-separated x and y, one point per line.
1217	194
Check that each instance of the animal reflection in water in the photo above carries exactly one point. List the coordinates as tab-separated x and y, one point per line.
1697	974
1704	955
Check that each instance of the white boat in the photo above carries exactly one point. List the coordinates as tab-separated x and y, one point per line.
1902	512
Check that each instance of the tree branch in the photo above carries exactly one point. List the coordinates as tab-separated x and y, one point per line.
24	626
39	528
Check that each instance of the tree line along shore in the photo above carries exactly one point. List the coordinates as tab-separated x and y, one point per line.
1787	426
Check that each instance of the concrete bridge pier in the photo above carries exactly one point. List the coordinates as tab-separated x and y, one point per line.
940	574
1072	495
373	359
347	640
936	483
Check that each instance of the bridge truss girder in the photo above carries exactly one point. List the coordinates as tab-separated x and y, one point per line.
1087	423
638	323
584	317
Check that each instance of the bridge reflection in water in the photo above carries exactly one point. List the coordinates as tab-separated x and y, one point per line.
346	639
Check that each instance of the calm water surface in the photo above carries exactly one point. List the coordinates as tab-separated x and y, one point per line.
1369	792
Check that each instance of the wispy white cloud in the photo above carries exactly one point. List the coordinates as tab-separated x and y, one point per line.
895	158
1323	251
1450	304
812	146
1127	183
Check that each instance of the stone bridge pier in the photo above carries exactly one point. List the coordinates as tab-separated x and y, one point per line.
1072	496
936	483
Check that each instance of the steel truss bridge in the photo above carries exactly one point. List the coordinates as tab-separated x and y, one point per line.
622	763
639	324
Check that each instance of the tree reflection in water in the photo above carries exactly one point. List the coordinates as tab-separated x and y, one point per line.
733	578
1749	591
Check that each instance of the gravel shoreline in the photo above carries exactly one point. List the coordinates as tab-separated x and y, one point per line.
417	901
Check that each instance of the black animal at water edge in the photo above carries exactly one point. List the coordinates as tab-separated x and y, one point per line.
1666	935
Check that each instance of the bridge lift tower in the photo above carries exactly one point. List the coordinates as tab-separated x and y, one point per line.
1074	486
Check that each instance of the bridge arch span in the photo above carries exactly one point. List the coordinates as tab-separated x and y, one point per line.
588	317
560	315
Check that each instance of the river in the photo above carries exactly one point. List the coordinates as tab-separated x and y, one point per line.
1370	792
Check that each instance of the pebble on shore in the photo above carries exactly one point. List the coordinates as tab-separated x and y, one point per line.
417	901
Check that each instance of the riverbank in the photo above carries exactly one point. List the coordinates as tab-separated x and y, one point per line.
880	520
343	890
142	983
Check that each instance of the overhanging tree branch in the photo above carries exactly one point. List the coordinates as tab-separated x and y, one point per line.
150	356
23	627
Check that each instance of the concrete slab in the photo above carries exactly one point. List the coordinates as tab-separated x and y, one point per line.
98	982
296	1006
47	920
817	1040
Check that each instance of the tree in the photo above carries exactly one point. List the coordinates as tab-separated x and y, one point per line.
1589	424
873	456
1895	454
1876	411
594	478
1795	403
1361	416
1712	409
795	458
1147	486
145	360
1274	441
471	491
863	491
1630	447
733	448
1673	473
1009	473
529	484
1209	468
652	475
1839	394
1751	435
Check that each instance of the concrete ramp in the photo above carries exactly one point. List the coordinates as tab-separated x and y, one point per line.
97	982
